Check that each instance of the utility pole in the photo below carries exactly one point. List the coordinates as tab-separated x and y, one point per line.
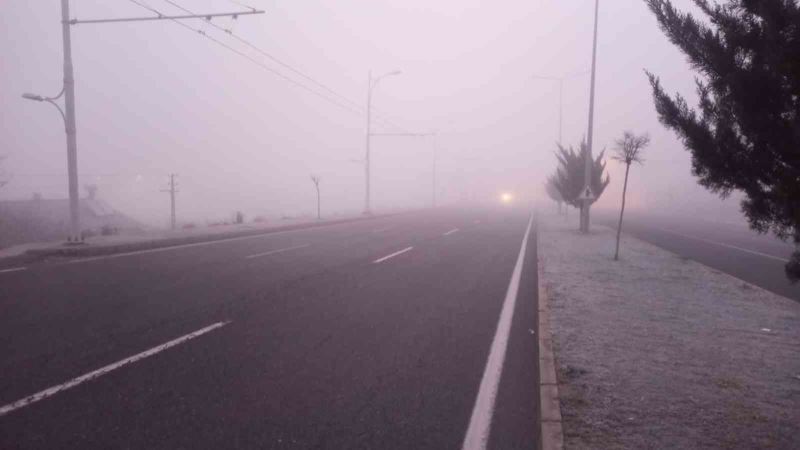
68	91
370	86
172	191
315	179
71	130
433	172
433	192
560	81
367	205
587	195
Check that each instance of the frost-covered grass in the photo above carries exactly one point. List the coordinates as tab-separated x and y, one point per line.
656	351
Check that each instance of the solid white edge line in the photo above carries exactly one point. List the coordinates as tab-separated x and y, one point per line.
454	230
721	244
13	269
280	250
380	260
41	395
480	422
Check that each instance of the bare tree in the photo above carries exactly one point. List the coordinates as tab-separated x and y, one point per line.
553	192
4	177
315	179
628	150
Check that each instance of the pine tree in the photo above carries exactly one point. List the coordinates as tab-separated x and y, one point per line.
745	133
570	176
552	192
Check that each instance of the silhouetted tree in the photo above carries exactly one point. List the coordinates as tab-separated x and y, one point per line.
628	150
745	134
4	177
315	179
570	176
552	192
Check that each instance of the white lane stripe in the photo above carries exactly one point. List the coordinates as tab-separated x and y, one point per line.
280	250
104	370
13	269
380	260
721	244
481	421
454	230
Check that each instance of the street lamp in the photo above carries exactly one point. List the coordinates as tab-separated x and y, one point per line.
72	155
587	197
51	100
560	96
371	86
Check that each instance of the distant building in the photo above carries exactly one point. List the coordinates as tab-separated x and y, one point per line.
40	219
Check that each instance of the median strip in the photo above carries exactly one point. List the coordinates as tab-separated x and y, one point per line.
380	260
104	370
280	250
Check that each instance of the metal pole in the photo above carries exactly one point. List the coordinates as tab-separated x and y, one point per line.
172	199
590	135
560	109
207	17
434	172
69	117
366	158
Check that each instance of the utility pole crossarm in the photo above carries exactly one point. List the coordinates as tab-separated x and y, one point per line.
404	134
163	17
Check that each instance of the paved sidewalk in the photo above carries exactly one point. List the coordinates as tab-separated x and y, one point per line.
655	351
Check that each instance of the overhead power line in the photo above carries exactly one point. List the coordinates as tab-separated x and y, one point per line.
251	59
288	66
332	96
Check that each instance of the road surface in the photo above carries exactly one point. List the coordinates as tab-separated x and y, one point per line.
730	248
374	334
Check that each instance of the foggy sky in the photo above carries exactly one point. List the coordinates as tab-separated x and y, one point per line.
154	98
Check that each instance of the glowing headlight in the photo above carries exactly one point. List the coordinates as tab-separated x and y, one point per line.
506	197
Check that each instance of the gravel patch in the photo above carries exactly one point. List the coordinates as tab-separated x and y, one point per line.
657	352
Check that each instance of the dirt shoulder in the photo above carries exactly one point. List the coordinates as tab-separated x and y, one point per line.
656	351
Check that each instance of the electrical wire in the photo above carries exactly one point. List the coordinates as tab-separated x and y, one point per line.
251	59
307	77
349	107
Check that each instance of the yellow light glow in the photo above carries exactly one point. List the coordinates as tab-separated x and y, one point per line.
506	197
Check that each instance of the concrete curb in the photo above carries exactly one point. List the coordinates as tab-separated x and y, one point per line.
89	250
551	433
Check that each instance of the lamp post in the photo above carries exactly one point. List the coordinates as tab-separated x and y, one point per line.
587	196
560	81
68	91
371	86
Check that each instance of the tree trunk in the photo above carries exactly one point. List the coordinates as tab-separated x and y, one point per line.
318	209
622	210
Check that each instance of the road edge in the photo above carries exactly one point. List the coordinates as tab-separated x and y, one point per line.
551	432
88	250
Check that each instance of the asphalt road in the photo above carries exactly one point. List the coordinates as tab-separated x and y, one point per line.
373	334
730	248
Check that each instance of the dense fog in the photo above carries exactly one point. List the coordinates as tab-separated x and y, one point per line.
155	98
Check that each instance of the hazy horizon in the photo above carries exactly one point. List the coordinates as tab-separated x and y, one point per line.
155	98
